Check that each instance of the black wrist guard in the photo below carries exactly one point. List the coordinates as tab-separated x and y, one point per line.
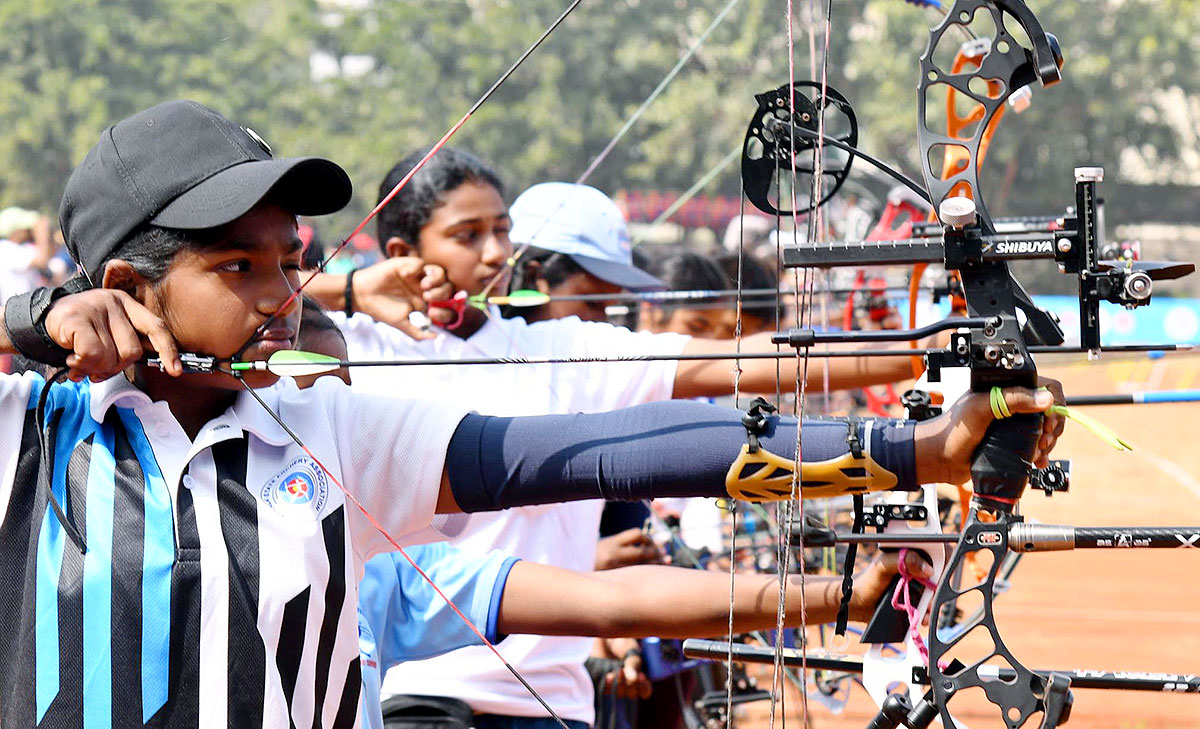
25	322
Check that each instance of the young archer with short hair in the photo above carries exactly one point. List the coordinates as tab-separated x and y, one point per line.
171	554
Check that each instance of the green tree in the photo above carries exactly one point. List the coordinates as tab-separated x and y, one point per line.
367	81
68	69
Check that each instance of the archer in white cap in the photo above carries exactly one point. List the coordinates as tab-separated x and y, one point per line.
578	244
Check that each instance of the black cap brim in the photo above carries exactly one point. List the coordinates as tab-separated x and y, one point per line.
627	277
302	185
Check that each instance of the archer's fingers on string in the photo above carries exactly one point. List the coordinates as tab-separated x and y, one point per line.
441	316
127	344
434	277
155	330
125	339
94	351
408	273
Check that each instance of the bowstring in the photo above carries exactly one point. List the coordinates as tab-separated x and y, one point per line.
737	403
295	295
396	546
795	506
784	509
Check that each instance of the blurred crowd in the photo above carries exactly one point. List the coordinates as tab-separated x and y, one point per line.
31	252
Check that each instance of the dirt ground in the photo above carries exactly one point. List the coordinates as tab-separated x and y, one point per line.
1128	610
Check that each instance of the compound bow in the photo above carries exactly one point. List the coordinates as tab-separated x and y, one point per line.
996	355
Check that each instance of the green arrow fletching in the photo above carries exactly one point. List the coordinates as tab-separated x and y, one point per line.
521	298
294	363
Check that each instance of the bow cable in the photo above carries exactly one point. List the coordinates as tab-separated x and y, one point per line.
412	173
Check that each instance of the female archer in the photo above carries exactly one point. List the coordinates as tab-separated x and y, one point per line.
181	549
451	222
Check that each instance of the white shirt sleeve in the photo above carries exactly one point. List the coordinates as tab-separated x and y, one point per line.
393	454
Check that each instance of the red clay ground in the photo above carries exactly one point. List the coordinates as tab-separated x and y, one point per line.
1135	610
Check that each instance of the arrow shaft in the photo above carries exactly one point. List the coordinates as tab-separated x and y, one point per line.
718	650
193	363
702	294
1136	398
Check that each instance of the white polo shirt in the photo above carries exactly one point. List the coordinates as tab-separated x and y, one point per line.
559	534
219	582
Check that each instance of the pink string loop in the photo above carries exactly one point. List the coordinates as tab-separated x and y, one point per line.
902	600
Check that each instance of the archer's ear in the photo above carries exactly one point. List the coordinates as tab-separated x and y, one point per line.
121	275
397	247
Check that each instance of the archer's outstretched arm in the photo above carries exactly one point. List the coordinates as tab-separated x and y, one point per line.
691	449
705	379
674	602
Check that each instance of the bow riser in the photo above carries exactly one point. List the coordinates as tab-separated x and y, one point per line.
1006	61
998	354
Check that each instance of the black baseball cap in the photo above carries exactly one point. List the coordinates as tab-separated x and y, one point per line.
182	165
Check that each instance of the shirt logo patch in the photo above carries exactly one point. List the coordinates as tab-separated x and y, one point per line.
302	483
296	488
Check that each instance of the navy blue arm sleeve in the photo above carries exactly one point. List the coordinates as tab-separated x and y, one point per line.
672	448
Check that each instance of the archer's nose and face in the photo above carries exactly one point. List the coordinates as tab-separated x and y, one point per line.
467	235
216	295
707	323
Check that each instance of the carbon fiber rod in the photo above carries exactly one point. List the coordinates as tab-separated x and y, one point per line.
717	650
1050	537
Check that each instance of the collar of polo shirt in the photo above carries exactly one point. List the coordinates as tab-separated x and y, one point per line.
247	414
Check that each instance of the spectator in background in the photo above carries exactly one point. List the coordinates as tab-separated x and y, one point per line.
26	250
687	271
752	232
759	314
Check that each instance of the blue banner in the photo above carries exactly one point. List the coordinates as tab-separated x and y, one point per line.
1165	321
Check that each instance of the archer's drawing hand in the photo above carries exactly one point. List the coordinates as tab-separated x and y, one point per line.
627	548
392	289
107	330
945	444
870	584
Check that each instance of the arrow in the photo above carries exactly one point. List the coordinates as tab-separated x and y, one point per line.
1080	678
296	363
1136	398
530	298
